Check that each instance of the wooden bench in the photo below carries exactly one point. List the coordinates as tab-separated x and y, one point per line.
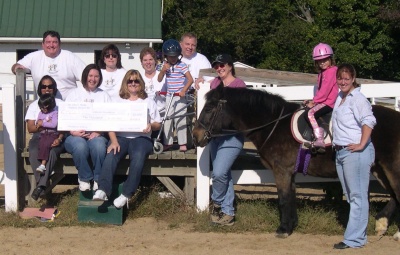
163	166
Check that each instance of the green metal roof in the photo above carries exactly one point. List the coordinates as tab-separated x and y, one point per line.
81	18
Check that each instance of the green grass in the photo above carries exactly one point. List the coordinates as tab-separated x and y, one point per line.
326	217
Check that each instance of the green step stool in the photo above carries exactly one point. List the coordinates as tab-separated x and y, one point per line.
101	211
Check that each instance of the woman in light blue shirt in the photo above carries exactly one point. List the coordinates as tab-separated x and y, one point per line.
352	124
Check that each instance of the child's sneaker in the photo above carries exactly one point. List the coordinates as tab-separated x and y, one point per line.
41	169
120	201
167	147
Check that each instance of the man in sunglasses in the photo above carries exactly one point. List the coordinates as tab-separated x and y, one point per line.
64	66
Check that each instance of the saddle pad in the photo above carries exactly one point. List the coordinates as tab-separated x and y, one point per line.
297	135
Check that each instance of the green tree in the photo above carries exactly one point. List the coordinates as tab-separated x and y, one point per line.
281	34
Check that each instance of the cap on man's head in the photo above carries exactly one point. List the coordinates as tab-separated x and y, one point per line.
223	58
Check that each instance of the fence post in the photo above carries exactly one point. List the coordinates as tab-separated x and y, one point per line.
203	159
10	148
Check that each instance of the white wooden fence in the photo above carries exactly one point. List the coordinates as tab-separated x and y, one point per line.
258	176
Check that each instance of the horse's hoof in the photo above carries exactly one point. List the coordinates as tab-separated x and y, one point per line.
281	235
380	233
396	236
381	226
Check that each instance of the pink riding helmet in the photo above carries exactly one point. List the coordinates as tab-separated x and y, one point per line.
321	51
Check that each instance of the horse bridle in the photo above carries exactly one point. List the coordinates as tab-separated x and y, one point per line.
208	135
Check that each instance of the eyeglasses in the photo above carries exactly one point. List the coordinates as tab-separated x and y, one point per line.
44	86
111	55
220	65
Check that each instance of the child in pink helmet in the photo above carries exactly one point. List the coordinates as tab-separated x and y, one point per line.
326	94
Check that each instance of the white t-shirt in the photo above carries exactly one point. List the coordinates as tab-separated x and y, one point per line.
152	116
152	86
80	94
34	110
66	69
112	81
195	63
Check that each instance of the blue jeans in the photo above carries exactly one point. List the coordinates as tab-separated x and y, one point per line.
138	149
82	151
354	169
224	151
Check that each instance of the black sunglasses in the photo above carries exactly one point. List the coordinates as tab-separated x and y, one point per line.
133	81
111	55
44	86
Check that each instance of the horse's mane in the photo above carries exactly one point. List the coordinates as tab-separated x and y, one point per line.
256	100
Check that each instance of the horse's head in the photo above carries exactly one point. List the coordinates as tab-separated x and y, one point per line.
212	119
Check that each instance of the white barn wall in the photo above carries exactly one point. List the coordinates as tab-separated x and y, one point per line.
8	52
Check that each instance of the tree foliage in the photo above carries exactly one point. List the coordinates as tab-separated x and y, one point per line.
281	34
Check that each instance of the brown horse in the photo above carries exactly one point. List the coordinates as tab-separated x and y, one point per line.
245	109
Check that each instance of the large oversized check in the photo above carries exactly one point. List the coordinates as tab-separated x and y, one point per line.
102	116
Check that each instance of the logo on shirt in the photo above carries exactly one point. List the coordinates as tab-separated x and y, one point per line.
110	83
89	100
149	86
53	68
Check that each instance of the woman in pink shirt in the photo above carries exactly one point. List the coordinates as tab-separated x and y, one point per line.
326	94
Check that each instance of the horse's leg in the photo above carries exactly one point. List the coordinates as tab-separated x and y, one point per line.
384	216
286	187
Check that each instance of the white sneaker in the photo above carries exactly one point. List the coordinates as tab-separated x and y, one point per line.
120	201
100	195
95	186
41	168
84	186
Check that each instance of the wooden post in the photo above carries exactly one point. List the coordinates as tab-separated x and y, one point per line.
10	148
203	160
20	108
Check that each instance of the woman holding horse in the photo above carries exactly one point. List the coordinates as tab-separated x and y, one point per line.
353	122
224	150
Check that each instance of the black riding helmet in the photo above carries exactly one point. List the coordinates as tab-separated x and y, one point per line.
171	47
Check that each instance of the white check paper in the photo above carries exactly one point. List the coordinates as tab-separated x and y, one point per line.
121	117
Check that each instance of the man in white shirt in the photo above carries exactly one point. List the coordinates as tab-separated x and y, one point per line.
194	60
64	66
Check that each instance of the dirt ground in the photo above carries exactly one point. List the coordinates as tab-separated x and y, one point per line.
148	236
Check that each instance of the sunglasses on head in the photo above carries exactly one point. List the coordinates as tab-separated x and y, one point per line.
220	65
111	55
44	86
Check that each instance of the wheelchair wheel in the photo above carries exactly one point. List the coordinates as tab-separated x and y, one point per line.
158	147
